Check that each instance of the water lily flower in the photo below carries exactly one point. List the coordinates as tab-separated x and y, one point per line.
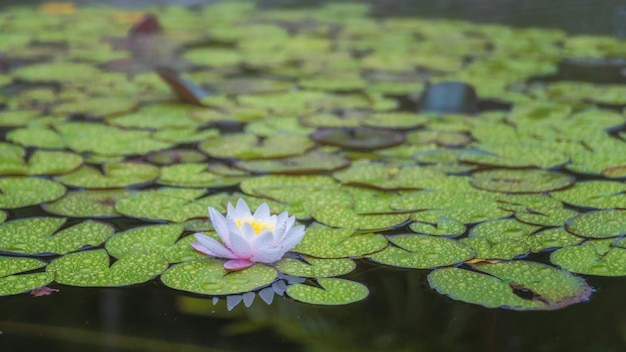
249	238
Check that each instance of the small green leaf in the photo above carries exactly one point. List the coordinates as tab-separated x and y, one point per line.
333	292
87	204
92	269
594	257
18	192
598	224
114	175
11	284
208	277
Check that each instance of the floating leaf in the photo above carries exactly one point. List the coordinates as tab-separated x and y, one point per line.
520	181
332	292
158	239
11	284
594	257
422	252
594	194
546	216
40	162
325	242
598	224
315	267
313	161
113	175
389	177
171	204
498	230
249	146
358	138
339	216
18	192
504	249
517	285
92	269
42	236
194	175
208	277
87	204
444	227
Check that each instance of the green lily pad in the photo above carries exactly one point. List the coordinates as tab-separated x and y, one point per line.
194	175
504	249
598	224
443	227
249	146
441	138
315	267
208	277
157	117
170	204
184	135
310	162
498	230
594	257
11	284
548	239
497	286
114	175
522	154
422	252
339	216
92	269
100	106
176	156
87	204
527	202
358	138
63	72
325	242
396	120
520	181
41	162
42	235
332	292
107	140
158	239
594	194
17	117
546	216
389	177
18	192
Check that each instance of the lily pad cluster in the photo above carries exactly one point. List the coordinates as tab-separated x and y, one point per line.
407	143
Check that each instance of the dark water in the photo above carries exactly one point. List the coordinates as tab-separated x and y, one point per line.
401	314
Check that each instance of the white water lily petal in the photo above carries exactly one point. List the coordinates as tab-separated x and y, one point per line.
249	238
211	247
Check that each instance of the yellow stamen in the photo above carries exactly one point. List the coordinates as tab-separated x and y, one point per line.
257	225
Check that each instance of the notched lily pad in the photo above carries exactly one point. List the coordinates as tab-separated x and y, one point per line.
325	242
594	257
12	284
598	224
313	161
93	269
194	175
339	216
422	252
18	192
444	227
42	236
332	292
520	181
208	277
517	285
249	146
113	175
358	138
594	194
158	239
87	203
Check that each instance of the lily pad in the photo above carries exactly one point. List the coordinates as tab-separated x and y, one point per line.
325	242
358	138
41	162
443	227
504	249
315	267
249	146
520	181
332	292
168	204
18	192
92	269
208	277
310	162
87	204
546	216
42	236
158	239
422	252
113	175
11	284
499	230
194	175
594	194
595	257
598	224
517	285
339	216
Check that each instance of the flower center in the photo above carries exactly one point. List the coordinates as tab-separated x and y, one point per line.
257	225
